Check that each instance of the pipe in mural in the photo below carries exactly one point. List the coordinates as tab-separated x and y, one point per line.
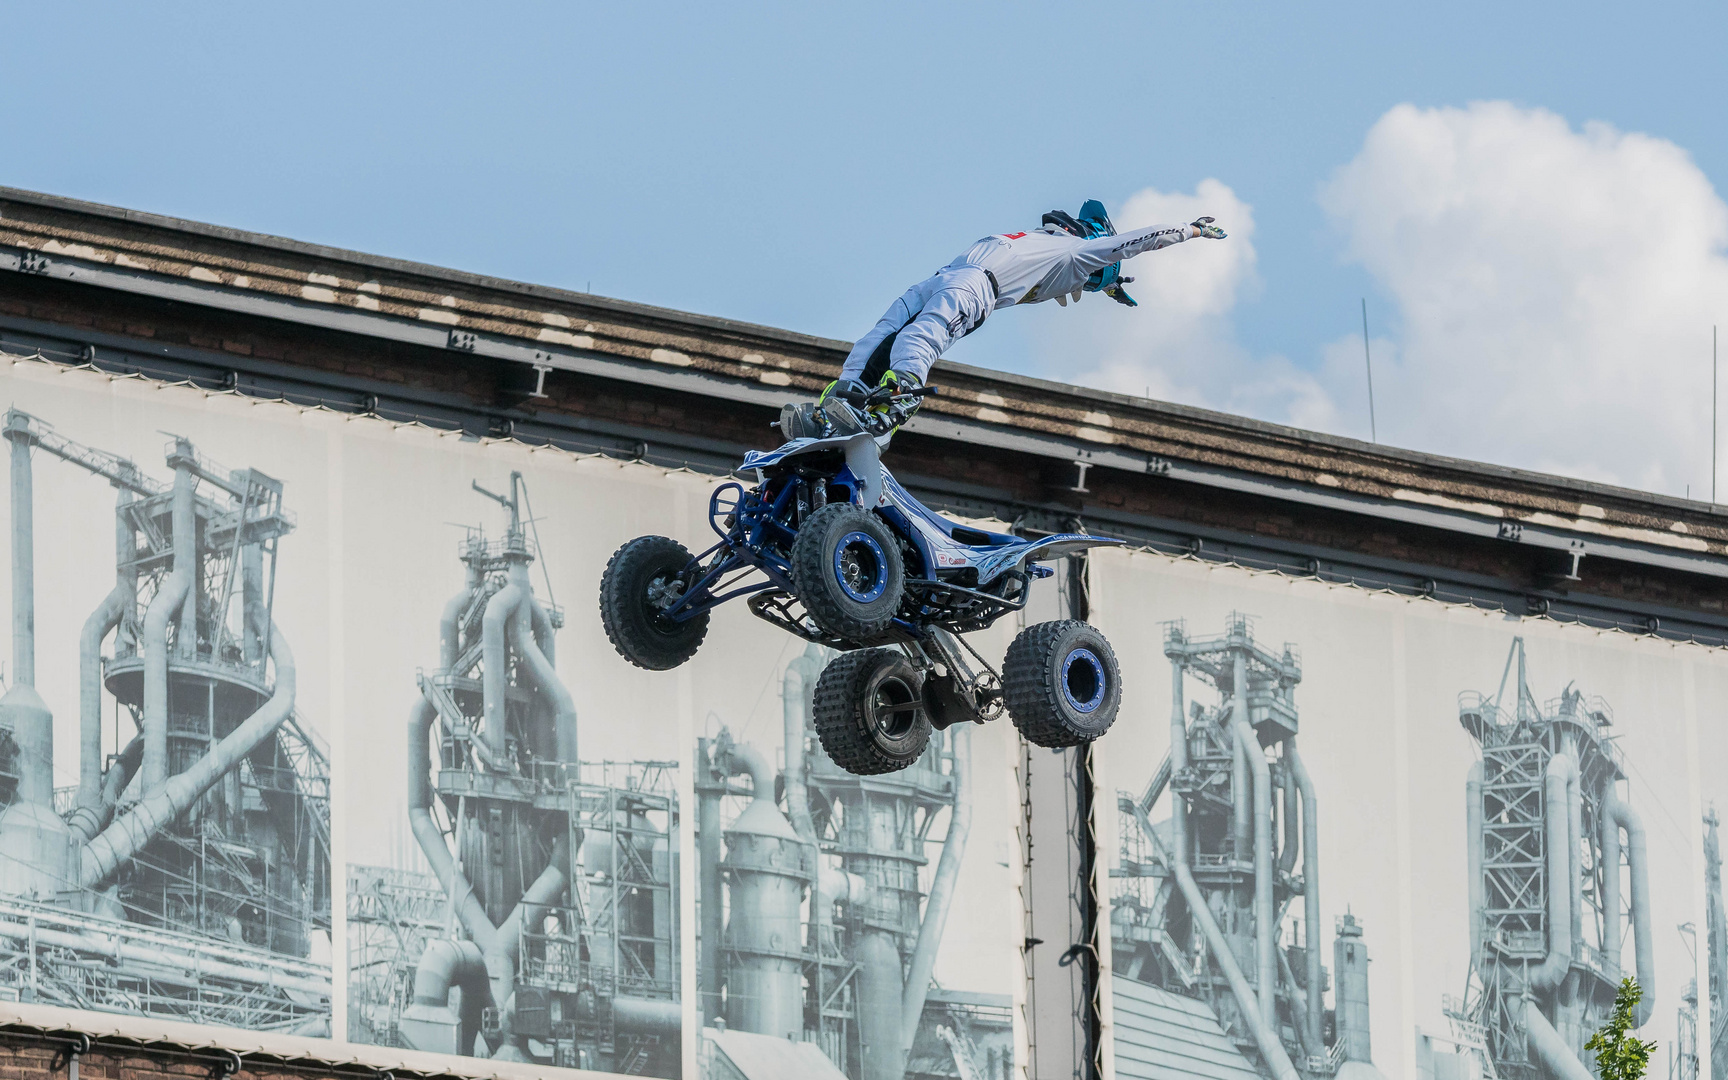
184	642
499	807
1199	898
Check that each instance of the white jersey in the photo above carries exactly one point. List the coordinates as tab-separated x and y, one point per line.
1030	267
997	272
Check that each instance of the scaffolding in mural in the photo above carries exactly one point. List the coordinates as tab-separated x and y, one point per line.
1552	850
547	930
615	940
392	915
1716	946
1199	898
187	875
1683	1054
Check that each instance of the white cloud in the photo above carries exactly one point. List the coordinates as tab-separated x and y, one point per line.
1178	344
1555	291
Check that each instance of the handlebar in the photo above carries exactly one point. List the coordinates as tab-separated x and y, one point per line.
883	395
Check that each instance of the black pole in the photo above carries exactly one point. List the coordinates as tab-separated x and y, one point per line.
1088	1011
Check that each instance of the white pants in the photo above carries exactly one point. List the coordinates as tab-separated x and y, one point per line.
919	327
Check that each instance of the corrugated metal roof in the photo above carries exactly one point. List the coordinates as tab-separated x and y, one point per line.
747	1056
1163	1036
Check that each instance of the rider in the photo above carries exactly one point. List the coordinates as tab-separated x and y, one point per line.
1063	258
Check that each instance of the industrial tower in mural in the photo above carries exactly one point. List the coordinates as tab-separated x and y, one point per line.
1717	945
1683	1063
1205	964
547	930
818	934
1716	949
1556	858
186	876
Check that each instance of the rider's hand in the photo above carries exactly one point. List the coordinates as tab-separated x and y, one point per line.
890	385
850	391
1203	228
889	414
1118	294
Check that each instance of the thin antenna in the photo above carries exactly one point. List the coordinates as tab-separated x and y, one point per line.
534	525
1712	415
1373	428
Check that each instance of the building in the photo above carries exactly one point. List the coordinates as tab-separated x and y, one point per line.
132	293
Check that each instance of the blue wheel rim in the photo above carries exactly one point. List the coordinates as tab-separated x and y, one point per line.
861	567
1083	674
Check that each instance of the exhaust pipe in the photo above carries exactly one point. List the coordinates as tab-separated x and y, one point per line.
522	634
1560	775
1617	815
1546	1045
1311	890
170	599
493	626
1266	936
86	820
564	712
941	893
1265	1039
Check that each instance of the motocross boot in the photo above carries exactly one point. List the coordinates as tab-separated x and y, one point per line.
837	412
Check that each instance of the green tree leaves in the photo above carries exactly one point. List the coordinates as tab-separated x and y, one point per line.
1621	1055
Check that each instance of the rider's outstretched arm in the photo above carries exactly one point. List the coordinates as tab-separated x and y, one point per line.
1100	252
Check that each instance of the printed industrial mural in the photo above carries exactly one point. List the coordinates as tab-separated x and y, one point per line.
518	890
1357	834
248	634
514	862
1346	833
1701	1034
855	927
164	734
523	888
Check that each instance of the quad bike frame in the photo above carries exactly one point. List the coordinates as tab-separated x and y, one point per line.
828	546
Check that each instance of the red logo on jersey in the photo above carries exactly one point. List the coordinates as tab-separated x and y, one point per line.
1012	235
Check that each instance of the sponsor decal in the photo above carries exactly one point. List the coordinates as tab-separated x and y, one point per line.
1139	240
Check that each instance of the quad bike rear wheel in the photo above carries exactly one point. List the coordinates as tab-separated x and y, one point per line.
641	580
846	564
869	712
1062	683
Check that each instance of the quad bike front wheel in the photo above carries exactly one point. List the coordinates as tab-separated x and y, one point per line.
869	712
641	580
846	564
1062	683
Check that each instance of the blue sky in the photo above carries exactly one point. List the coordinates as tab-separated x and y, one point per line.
799	165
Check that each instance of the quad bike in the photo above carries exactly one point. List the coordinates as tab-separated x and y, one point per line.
828	546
